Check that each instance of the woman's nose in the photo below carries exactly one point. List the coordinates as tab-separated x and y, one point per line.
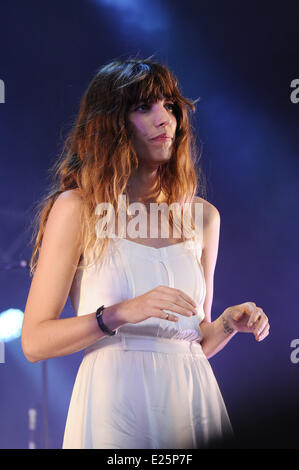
161	116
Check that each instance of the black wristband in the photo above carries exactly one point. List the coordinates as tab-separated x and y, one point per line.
101	324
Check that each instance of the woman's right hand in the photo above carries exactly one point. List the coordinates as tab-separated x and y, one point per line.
152	304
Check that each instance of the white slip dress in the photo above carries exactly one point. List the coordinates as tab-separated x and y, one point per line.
149	386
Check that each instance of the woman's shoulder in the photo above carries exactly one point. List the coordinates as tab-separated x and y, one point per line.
70	195
66	210
210	212
68	200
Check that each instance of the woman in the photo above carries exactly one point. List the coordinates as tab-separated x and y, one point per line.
143	308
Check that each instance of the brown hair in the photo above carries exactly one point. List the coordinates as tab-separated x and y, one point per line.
98	157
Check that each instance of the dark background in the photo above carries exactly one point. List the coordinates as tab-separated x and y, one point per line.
239	58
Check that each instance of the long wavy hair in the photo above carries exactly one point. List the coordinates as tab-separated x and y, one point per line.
98	158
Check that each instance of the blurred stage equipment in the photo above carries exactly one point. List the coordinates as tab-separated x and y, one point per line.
10	328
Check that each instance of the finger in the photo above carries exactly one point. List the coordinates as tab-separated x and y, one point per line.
170	301
182	294
261	326
182	302
264	333
166	315
239	310
160	313
256	315
237	313
174	307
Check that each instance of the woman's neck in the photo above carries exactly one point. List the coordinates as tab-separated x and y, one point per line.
144	187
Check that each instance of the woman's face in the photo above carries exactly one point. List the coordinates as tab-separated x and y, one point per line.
147	121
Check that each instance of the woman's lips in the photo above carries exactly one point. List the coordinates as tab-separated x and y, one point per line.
161	139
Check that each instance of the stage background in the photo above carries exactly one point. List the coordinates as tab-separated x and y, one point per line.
240	59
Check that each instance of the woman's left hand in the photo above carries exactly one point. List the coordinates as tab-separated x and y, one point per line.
248	318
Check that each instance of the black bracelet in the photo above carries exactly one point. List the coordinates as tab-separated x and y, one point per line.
101	324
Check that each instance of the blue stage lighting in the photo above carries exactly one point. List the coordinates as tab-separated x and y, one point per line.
147	16
11	321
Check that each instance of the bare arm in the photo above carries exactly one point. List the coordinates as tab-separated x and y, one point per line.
44	335
214	335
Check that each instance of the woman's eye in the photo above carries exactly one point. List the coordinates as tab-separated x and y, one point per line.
146	107
170	105
143	107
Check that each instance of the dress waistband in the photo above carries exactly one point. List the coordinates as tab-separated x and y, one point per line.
147	343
